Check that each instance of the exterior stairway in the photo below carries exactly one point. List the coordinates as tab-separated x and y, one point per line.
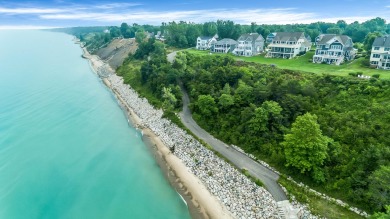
287	211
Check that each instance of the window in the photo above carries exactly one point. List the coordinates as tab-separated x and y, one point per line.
376	48
376	56
387	49
335	47
374	62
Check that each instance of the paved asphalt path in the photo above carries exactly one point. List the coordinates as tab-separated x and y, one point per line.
240	160
266	176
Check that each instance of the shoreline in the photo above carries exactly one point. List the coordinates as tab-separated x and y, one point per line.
201	203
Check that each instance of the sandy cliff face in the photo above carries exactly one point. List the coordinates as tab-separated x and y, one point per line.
117	51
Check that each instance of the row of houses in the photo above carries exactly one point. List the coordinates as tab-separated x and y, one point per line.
330	48
246	45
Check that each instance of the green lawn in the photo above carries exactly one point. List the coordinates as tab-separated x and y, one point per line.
302	64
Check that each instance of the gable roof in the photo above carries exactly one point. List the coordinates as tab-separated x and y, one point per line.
226	41
327	37
382	41
271	35
250	36
289	36
206	37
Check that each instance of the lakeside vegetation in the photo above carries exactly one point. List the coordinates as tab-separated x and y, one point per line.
255	107
317	205
255	102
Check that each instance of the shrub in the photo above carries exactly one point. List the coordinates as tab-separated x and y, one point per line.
366	62
375	75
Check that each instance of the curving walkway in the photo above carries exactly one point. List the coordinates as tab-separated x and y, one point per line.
242	161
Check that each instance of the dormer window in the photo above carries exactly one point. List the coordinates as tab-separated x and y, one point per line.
387	49
376	48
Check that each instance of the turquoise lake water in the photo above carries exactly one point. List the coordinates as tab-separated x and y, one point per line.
66	149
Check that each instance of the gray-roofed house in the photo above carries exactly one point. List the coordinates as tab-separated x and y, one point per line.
205	42
223	46
270	37
287	45
334	49
380	53
249	44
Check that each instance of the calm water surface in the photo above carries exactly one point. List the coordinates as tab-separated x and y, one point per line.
66	150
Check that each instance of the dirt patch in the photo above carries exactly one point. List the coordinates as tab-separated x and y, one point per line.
117	51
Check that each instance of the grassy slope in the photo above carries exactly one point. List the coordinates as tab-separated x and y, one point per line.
317	205
302	64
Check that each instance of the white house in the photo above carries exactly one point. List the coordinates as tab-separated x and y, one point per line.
204	42
249	44
287	45
380	53
223	46
334	49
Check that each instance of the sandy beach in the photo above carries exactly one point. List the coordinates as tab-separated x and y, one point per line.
201	203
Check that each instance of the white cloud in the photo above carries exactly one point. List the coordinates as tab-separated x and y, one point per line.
117	5
30	10
156	17
260	16
125	12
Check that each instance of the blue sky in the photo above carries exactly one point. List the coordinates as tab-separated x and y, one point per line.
65	13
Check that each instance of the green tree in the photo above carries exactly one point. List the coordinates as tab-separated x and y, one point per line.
180	62
115	32
226	89
369	40
258	123
342	24
333	30
169	99
206	105
305	147
123	28
193	32
209	29
226	100
140	36
379	188
382	215
244	93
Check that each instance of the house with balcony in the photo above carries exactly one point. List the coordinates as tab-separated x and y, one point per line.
287	45
224	46
205	42
249	44
270	37
380	53
334	49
